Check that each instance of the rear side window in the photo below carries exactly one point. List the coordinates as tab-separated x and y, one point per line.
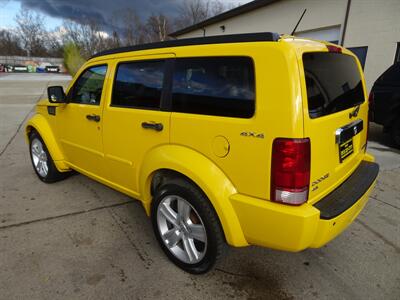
219	86
138	85
333	83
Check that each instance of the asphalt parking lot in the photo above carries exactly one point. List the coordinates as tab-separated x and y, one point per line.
80	239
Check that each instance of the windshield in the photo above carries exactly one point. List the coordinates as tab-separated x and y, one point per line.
333	83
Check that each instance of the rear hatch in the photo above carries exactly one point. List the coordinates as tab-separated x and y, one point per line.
335	118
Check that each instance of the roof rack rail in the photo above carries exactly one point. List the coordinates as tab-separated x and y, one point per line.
218	39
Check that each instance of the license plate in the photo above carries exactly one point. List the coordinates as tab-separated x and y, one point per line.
345	149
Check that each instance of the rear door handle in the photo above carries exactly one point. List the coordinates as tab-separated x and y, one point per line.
153	126
93	117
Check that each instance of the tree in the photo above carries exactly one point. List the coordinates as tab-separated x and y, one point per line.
88	37
157	28
194	11
73	59
31	32
10	43
128	26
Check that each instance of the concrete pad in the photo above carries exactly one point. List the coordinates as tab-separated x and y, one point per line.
11	118
79	239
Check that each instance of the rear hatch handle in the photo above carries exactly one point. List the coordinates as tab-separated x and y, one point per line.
344	133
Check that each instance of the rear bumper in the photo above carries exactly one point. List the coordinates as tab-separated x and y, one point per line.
291	228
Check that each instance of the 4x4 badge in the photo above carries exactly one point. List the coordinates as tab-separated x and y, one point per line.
252	134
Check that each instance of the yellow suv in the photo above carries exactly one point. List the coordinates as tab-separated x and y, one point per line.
250	139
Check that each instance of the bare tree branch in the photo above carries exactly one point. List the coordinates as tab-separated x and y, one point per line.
157	28
10	43
31	31
194	11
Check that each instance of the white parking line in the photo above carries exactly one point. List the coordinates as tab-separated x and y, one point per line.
34	77
9	105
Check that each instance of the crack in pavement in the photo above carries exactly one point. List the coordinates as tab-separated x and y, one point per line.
380	236
65	215
384	202
387	185
144	257
236	274
23	121
16	132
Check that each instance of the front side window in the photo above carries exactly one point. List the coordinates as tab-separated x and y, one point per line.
89	86
138	85
333	83
219	86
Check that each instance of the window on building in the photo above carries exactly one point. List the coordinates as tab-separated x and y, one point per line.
397	56
89	86
220	86
138	84
361	53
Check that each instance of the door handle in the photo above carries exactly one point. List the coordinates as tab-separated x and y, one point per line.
93	117
153	126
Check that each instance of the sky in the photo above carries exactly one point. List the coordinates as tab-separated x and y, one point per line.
55	11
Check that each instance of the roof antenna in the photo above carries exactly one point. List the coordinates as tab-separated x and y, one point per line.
294	30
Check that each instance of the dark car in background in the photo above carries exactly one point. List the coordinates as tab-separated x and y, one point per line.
385	102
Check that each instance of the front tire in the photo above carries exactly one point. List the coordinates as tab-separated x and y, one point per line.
41	159
186	226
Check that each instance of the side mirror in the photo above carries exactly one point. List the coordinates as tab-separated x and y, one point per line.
56	94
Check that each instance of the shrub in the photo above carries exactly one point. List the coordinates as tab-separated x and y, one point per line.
73	59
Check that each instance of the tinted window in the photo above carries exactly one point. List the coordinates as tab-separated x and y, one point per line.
139	85
89	86
333	83
222	86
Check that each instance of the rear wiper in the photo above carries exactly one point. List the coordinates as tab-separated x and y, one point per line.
354	113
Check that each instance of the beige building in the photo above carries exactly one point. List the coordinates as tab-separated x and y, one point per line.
370	28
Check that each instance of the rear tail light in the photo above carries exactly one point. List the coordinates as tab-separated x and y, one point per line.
371	99
290	172
371	105
370	115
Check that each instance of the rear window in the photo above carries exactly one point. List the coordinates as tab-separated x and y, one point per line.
333	83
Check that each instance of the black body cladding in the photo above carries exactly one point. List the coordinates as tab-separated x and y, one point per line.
349	192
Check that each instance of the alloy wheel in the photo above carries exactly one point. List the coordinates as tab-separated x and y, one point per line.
39	157
182	229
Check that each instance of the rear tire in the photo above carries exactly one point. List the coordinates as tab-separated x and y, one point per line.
41	160
186	226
